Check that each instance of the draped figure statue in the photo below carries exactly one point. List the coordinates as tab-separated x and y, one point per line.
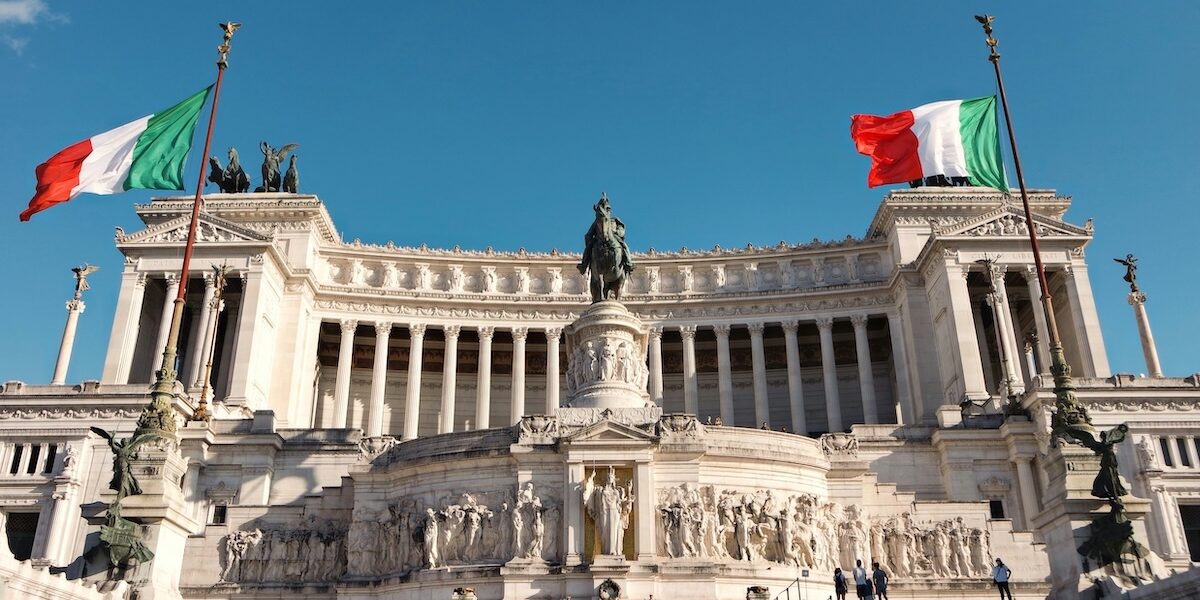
609	506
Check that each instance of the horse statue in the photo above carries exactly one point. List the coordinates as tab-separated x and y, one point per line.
232	179
605	254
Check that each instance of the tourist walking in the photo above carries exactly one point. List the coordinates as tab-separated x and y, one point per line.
862	581
1000	575
881	581
839	583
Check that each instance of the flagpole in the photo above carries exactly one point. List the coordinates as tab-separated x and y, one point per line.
159	417
1070	415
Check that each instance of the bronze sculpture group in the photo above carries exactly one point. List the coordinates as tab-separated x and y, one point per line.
232	178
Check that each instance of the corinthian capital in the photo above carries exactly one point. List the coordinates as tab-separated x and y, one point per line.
348	326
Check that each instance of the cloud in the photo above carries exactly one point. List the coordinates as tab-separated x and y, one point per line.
15	43
22	12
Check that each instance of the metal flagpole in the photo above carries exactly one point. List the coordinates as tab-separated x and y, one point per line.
1070	416
159	417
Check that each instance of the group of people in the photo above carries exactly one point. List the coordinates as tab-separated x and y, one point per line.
873	584
868	584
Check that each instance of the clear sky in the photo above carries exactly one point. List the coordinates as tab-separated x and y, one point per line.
499	123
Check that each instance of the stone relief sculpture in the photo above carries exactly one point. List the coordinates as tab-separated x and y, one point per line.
609	506
458	280
701	522
391	276
424	278
489	279
556	281
843	445
314	551
358	273
1146	454
469	529
609	360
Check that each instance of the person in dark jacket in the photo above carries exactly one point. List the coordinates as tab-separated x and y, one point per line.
839	583
881	581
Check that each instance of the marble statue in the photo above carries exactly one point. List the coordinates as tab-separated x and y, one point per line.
358	273
69	460
489	279
609	506
1146	454
556	281
430	538
272	158
391	276
606	256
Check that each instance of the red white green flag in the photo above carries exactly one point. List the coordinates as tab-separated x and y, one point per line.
953	138
148	153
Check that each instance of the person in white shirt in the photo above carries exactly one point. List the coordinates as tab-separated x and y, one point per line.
1000	575
862	581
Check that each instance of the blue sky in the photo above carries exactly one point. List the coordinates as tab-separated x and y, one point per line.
499	123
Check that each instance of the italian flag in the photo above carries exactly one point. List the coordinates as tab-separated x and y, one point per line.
148	153
954	138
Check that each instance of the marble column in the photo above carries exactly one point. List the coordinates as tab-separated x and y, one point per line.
762	408
908	411
412	393
1173	451
724	373
63	496
74	309
1138	301
1004	327
833	403
866	374
1039	318
553	382
691	391
164	324
644	530
967	350
656	366
1086	321
383	332
518	373
795	380
126	324
1193	455
985	354
199	352
341	386
1029	503
449	377
1168	531
573	521
483	389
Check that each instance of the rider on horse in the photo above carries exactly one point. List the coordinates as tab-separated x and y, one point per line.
606	233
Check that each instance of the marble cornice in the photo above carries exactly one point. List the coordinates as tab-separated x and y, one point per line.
955	203
358	248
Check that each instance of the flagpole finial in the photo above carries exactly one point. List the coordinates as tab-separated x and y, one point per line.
223	50
986	21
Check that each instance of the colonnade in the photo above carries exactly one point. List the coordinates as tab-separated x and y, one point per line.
449	395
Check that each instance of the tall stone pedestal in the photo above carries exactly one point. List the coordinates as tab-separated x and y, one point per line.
164	516
606	358
1065	522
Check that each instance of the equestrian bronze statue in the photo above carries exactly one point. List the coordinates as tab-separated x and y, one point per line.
605	255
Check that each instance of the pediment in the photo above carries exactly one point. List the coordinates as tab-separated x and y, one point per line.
606	431
1009	220
208	229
